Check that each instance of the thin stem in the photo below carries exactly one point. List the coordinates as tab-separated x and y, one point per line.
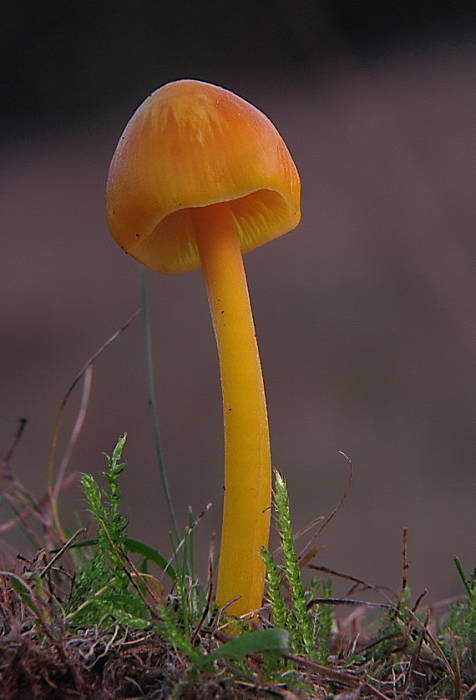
153	405
59	415
247	499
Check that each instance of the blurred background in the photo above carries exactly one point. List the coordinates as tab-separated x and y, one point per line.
365	313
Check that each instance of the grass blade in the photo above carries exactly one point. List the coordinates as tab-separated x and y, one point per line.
153	405
251	642
137	547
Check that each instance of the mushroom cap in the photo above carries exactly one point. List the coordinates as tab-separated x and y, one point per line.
192	144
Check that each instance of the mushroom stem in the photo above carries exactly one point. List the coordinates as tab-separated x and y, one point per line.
247	500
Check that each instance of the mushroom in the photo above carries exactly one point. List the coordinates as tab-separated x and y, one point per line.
200	176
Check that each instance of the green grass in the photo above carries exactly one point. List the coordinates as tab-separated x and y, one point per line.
123	588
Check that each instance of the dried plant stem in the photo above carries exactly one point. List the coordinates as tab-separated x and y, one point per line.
54	489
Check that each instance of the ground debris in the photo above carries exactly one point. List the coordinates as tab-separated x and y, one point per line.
86	666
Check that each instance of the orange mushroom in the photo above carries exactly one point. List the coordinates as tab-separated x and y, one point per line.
200	176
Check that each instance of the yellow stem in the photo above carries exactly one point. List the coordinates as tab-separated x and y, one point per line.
247	501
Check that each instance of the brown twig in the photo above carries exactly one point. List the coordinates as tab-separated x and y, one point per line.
345	493
309	550
335	675
457	671
419	599
75	433
9	453
415	656
61	551
21	516
404	588
347	601
211	558
436	646
358	581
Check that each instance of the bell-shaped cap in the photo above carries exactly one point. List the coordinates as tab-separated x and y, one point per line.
192	144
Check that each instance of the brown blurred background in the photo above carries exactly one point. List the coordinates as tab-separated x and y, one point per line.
365	314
